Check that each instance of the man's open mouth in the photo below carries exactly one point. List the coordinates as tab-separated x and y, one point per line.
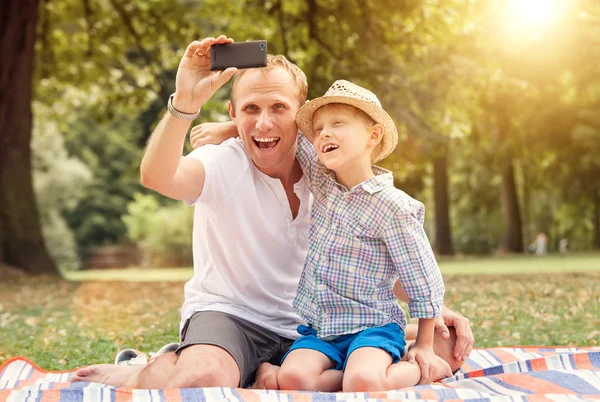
266	143
329	148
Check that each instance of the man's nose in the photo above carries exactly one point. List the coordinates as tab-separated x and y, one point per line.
264	122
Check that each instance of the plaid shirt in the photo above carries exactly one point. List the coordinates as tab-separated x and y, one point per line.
360	242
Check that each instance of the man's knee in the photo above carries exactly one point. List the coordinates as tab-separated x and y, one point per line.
204	377
205	366
444	348
158	373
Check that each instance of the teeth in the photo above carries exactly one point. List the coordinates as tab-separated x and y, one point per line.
329	147
266	139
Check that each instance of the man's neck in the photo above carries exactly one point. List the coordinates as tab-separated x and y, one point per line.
289	173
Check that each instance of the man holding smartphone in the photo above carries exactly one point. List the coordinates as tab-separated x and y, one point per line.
252	212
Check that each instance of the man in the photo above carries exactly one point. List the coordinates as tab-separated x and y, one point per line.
252	211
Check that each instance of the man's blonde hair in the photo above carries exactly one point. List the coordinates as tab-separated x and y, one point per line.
275	61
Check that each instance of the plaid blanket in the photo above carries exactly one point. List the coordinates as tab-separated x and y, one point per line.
497	374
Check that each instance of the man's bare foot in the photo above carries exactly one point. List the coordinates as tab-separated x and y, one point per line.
109	374
266	377
443	369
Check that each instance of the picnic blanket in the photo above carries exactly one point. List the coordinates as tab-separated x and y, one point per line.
496	374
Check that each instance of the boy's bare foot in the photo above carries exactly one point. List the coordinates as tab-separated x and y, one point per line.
109	374
266	377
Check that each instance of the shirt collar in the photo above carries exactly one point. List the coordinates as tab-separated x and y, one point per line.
383	178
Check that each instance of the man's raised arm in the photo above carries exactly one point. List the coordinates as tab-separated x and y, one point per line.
163	168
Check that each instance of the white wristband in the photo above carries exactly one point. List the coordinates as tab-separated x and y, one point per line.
180	115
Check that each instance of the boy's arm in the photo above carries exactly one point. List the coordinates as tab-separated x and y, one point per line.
163	168
307	157
415	263
212	133
448	318
216	133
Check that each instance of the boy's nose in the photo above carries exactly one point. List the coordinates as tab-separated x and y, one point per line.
325	133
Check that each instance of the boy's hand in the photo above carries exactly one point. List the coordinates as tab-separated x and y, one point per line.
212	133
195	83
432	366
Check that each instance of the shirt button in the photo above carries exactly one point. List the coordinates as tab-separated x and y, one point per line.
321	286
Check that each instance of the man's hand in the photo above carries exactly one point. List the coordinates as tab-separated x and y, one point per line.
464	335
212	133
195	83
432	367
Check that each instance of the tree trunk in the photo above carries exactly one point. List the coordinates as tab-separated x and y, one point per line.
443	235
597	222
512	237
21	242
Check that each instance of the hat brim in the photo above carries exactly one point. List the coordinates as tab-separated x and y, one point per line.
304	120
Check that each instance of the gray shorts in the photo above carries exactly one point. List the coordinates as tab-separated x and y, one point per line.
248	343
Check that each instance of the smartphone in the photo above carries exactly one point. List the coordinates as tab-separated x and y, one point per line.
250	54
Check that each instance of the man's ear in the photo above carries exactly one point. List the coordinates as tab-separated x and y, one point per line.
377	134
231	110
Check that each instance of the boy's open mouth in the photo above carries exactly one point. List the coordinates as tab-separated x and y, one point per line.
266	143
329	148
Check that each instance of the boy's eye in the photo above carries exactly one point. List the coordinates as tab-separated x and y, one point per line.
337	122
318	130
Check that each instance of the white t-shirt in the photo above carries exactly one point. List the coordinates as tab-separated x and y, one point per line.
248	250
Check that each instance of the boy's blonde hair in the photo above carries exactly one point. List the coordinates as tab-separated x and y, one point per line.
275	61
362	116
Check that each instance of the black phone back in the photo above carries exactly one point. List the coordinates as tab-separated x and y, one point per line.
250	54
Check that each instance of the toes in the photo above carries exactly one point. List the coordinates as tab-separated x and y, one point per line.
85	371
76	378
271	383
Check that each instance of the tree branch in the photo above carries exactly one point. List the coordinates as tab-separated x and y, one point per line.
313	9
129	25
87	12
280	19
137	37
46	50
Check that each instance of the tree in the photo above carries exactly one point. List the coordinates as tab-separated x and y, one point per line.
21	241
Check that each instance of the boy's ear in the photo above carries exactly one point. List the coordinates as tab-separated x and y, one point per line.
231	110
377	134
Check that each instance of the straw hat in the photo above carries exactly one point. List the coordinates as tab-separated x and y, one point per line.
351	94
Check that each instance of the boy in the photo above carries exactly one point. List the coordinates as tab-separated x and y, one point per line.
364	235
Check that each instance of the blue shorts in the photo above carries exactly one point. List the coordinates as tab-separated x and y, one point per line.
389	337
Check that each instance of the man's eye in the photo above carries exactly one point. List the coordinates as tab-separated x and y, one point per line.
251	107
279	106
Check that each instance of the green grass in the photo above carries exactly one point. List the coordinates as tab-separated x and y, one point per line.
449	266
521	264
65	324
131	274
